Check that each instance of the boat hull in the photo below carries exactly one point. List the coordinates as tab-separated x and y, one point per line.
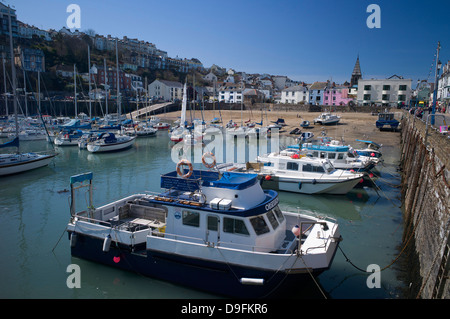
219	278
309	186
24	166
111	147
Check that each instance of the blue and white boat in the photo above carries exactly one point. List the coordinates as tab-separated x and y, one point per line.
371	150
341	156
217	232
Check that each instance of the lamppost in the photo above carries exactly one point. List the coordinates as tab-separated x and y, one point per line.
438	67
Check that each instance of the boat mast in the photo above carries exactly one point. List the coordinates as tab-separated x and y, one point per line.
13	72
4	80
24	85
75	86
118	88
89	94
106	85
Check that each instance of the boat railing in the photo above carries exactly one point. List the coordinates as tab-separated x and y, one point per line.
84	216
223	244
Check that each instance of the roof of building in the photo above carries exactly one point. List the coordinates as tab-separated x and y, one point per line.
171	83
318	86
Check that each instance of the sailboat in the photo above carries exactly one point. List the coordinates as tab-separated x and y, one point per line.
20	162
177	134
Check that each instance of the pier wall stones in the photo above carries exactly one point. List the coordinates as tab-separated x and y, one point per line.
425	164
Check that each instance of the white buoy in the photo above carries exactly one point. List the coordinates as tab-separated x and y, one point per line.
296	230
106	243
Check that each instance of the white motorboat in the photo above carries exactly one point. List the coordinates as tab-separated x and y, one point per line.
289	171
108	142
327	119
68	137
206	230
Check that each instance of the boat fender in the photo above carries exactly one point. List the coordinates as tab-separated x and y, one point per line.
209	155
296	230
268	177
107	243
73	239
252	281
299	185
314	181
185	162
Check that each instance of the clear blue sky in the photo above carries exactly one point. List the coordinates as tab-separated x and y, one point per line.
307	40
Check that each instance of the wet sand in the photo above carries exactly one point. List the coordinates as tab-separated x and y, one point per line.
352	125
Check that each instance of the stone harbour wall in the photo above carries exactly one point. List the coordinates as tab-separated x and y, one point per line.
425	165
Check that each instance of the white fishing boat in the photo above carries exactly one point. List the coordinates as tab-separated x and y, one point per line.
108	142
327	119
215	232
291	172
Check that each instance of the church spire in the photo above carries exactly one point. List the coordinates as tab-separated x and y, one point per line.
356	75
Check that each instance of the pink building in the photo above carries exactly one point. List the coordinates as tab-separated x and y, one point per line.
336	96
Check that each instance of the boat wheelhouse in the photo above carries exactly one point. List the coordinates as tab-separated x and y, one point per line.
293	172
341	156
218	232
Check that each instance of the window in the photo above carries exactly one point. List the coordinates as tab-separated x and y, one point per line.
273	221
402	88
279	214
234	226
366	97
386	87
331	155
402	97
367	87
191	218
385	97
340	156
292	166
259	225
213	223
311	168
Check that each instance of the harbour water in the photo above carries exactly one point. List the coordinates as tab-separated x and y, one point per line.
34	211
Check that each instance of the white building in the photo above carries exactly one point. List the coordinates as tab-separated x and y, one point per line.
392	92
230	93
443	92
166	90
295	94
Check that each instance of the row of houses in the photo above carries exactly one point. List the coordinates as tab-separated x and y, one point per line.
393	91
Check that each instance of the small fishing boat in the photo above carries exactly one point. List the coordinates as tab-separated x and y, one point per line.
161	126
217	232
68	137
305	124
305	137
327	119
371	150
387	119
108	142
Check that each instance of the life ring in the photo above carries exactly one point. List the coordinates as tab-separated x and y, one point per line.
184	162
211	155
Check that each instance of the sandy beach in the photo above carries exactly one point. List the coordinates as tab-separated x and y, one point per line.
352	125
